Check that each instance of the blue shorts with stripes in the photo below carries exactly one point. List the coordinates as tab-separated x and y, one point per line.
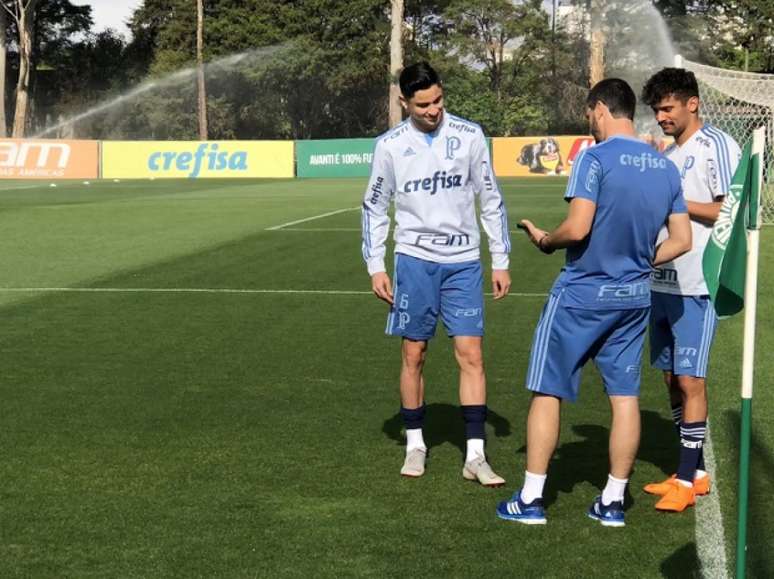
566	338
681	332
424	290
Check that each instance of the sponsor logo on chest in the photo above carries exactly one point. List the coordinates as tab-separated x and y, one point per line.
439	180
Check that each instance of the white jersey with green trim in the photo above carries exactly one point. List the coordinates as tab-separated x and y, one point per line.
434	179
706	161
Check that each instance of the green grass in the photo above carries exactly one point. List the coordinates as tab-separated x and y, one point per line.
255	434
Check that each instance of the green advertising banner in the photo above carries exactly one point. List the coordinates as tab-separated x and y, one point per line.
334	158
337	157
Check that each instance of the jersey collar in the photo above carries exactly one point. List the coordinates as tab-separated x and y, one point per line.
429	137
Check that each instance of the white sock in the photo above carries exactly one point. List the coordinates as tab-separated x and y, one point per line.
475	449
614	489
700	473
533	486
414	440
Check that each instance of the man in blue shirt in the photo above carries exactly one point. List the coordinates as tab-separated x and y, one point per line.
620	194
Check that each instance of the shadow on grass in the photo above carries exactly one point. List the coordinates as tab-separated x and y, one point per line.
760	527
586	460
682	564
443	423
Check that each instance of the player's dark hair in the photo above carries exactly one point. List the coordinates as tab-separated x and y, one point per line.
418	76
667	82
616	94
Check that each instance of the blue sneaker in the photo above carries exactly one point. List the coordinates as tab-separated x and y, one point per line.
515	509
611	515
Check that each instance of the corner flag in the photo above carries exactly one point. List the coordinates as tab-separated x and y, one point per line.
724	261
730	265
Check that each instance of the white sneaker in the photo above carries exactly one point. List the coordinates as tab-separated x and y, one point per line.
479	469
414	465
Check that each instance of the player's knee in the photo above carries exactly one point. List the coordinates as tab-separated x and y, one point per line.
470	359
413	355
691	385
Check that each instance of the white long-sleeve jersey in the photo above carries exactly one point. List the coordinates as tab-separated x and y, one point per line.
434	179
707	162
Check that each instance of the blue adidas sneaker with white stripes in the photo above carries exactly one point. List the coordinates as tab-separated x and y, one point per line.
611	515
515	509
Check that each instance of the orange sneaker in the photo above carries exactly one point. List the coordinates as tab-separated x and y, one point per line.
701	486
679	498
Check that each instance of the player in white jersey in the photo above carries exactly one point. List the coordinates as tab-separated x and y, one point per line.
434	165
682	318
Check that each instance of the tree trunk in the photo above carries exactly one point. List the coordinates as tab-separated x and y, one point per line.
25	19
3	54
597	57
200	71
396	61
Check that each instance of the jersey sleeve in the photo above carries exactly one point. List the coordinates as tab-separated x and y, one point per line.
375	220
721	165
494	216
585	178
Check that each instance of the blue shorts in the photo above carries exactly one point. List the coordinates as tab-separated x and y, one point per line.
566	338
681	332
425	289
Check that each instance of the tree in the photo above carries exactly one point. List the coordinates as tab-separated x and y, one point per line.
743	33
202	101
597	60
3	61
314	68
50	28
507	45
396	60
490	31
22	11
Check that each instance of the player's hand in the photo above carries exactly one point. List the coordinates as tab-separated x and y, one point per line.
382	286
535	234
501	283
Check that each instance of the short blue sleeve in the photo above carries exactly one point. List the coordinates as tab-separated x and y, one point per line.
678	202
585	178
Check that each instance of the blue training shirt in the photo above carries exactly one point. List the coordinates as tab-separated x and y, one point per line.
635	189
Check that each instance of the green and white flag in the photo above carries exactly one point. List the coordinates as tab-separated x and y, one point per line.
725	257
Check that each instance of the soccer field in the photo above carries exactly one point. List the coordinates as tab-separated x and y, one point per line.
196	383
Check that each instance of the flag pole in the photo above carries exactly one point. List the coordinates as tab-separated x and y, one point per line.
748	356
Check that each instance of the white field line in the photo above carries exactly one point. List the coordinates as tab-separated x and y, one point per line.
318	229
710	538
338	229
19	187
140	290
312	218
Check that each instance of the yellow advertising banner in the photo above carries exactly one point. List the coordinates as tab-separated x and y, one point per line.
196	159
536	156
48	159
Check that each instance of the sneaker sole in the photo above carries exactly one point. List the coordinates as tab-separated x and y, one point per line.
523	521
407	475
660	492
605	523
487	485
467	475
